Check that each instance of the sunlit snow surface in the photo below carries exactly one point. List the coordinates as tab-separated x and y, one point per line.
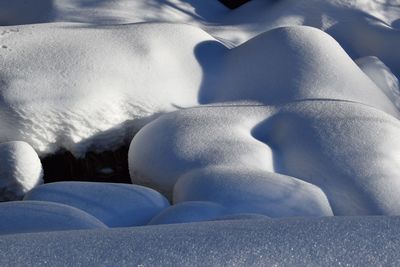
275	109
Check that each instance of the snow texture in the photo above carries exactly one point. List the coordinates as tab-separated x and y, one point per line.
40	216
20	170
349	241
83	85
308	158
116	205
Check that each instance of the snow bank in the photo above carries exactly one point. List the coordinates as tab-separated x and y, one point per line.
41	216
102	83
116	205
90	88
20	170
365	241
190	211
299	159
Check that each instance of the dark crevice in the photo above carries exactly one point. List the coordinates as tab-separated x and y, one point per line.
107	166
232	4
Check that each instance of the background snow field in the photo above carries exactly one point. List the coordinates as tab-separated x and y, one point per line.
262	135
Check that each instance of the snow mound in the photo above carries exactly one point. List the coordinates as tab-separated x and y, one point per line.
41	216
116	205
20	170
304	158
78	87
360	241
382	76
103	83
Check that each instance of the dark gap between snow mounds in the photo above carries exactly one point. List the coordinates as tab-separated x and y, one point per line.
107	166
232	4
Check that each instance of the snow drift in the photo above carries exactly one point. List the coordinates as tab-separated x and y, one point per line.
299	159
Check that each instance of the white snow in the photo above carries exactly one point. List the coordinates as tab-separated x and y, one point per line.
20	170
116	205
40	216
334	241
299	159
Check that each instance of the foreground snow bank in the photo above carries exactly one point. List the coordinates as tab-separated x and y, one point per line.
116	205
20	170
40	216
361	241
299	159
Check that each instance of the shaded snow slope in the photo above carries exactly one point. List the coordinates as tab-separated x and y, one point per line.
297	159
365	241
83	88
116	205
41	216
20	170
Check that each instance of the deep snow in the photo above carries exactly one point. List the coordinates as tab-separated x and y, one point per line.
276	109
354	241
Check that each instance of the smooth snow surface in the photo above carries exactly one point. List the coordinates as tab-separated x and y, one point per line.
40	216
116	205
90	81
300	159
354	241
20	170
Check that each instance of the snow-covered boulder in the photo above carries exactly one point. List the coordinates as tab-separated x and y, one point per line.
40	216
20	170
116	205
302	158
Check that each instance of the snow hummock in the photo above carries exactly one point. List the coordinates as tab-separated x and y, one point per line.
95	86
20	170
116	205
308	158
329	241
40	216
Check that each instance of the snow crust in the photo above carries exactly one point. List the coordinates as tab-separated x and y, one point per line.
116	205
366	241
40	216
309	158
20	170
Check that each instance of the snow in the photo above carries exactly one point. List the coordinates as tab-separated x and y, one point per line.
40	216
308	158
360	241
116	205
20	170
111	67
91	88
276	109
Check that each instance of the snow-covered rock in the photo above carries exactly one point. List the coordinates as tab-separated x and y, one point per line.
40	216
296	159
353	241
116	205
20	170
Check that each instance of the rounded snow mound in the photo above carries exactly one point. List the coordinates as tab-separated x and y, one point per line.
116	205
308	158
20	170
41	216
81	87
